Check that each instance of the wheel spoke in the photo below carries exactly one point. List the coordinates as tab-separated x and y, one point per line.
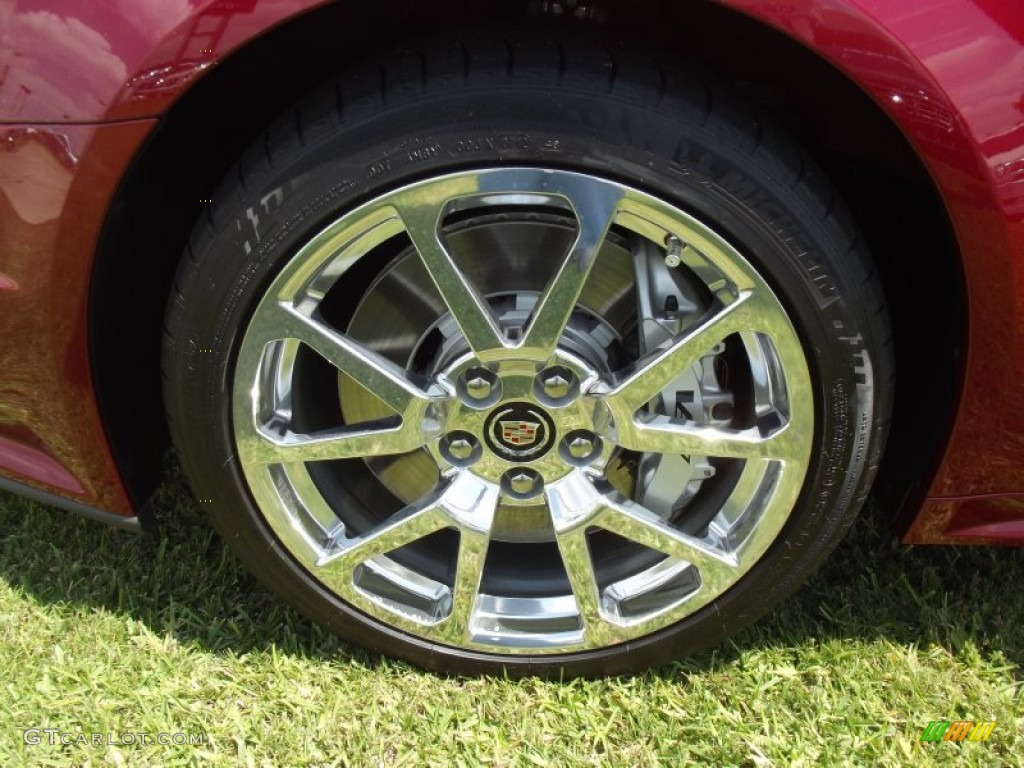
663	435
636	523
470	310
467	504
654	372
386	380
345	443
404	527
573	503
472	504
473	547
579	567
595	208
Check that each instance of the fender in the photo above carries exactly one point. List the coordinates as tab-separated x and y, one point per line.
119	60
969	132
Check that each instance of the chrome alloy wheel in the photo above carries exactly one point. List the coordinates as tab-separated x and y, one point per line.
562	413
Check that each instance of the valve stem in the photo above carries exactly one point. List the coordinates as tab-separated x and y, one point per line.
673	251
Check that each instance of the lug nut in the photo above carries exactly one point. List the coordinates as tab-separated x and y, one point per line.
556	386
581	447
478	388
523	483
460	449
557	383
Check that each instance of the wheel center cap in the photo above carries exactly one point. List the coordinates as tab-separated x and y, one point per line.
519	432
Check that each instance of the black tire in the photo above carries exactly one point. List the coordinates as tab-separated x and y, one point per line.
549	102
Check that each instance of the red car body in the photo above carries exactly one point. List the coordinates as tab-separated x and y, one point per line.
91	91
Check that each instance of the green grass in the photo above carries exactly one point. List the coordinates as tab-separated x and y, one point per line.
103	631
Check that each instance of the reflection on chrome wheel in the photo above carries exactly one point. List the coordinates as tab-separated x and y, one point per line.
527	369
527	375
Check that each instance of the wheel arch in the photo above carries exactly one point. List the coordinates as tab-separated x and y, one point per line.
184	158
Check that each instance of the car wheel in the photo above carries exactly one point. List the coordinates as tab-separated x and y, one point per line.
532	355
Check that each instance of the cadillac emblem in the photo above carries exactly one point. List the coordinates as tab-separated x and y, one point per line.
520	432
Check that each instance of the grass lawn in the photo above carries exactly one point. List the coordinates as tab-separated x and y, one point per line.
103	631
